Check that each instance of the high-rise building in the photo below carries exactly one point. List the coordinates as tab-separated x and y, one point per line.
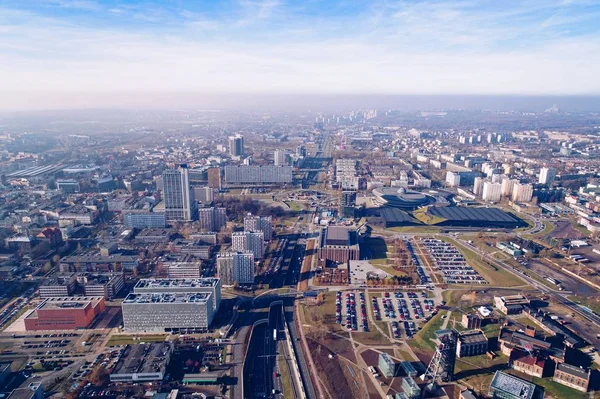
300	151
214	178
478	186
236	267
279	157
205	195
179	197
347	207
453	179
212	219
522	192
262	224
492	191
266	174
245	241
507	186
547	176
236	145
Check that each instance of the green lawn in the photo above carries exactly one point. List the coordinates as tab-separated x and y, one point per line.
422	339
557	390
591	302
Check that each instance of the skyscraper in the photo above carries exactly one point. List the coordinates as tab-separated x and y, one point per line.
236	145
179	197
245	241
347	206
547	176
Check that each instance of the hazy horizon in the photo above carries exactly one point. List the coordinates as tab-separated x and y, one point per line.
83	53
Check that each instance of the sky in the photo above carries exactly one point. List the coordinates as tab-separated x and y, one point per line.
56	53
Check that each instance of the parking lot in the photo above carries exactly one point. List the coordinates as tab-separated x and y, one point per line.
405	311
421	271
347	315
450	262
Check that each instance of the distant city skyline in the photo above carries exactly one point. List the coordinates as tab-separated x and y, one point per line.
87	53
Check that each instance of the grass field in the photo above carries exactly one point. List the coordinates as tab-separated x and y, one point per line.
494	276
591	302
422	339
286	382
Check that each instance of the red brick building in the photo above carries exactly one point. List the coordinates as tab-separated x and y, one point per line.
65	313
338	244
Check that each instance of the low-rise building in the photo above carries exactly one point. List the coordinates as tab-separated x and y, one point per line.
60	286
572	376
471	343
389	368
143	363
64	313
528	363
511	304
107	285
506	386
338	244
471	321
411	389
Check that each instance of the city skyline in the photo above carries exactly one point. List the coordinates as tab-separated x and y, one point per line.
85	53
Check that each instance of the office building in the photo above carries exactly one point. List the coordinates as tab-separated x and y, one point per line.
478	186
236	145
263	224
178	196
107	285
212	219
258	174
491	191
60	286
64	313
522	192
210	285
338	244
144	220
547	176
168	312
235	267
389	368
471	343
214	178
279	158
98	263
183	270
205	195
143	363
572	376
245	241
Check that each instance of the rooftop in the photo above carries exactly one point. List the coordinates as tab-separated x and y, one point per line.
472	336
168	298
172	283
143	358
573	370
68	302
512	385
339	235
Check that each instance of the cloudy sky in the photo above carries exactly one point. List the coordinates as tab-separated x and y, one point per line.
52	50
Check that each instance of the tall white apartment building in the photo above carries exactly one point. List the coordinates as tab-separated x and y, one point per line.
236	267
178	195
264	224
279	157
453	179
522	192
492	191
547	175
245	241
478	186
507	186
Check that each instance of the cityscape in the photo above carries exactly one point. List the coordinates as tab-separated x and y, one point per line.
317	200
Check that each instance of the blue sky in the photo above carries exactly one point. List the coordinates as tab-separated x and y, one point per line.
312	46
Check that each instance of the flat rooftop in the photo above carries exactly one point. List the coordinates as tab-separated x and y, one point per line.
512	385
460	214
98	258
68	302
472	337
339	235
142	298
177	283
143	358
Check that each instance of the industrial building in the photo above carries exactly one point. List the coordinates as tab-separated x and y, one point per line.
506	386
143	363
573	376
338	244
64	313
471	343
511	304
166	312
471	321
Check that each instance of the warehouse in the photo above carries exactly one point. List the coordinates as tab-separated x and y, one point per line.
143	362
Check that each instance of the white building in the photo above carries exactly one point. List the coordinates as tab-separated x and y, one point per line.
245	241
264	224
179	197
547	175
478	186
522	192
453	179
279	157
507	186
492	191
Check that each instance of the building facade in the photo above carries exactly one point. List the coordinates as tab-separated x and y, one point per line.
178	195
236	267
263	224
245	241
